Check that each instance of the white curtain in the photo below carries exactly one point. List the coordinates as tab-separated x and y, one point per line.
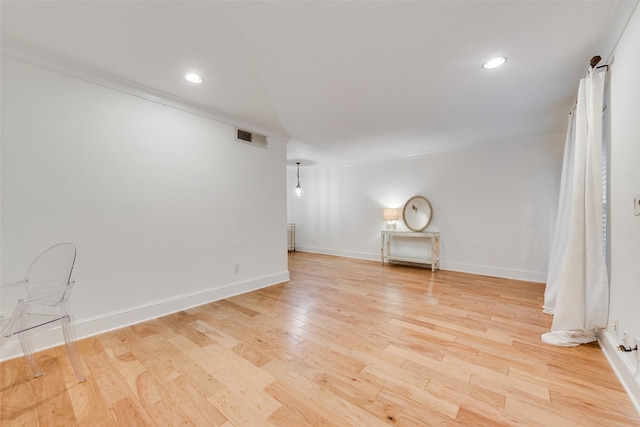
577	292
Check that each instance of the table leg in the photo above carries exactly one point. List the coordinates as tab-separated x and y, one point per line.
433	254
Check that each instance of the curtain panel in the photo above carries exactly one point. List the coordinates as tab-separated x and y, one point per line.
577	292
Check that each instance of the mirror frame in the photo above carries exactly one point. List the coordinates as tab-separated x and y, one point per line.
418	204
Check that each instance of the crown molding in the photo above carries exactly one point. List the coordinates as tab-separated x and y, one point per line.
111	81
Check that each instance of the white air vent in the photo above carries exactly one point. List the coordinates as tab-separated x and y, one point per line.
254	139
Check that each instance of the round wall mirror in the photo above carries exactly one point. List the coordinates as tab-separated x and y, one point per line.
416	213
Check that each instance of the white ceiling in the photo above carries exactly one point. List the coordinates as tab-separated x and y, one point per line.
354	80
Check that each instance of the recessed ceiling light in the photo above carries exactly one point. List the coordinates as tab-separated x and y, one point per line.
193	78
494	62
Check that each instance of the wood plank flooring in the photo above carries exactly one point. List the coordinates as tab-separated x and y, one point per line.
344	343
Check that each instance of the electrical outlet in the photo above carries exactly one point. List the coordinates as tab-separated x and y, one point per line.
237	268
616	327
625	338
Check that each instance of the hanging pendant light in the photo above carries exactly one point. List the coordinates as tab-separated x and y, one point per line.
298	187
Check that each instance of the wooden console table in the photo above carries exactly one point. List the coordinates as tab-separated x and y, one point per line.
434	236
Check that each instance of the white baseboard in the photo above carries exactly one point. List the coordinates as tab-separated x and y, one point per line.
625	365
91	326
337	252
506	273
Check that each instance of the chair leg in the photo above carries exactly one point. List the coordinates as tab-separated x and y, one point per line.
70	342
27	349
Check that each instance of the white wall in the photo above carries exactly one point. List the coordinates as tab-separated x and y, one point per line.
494	206
625	227
163	203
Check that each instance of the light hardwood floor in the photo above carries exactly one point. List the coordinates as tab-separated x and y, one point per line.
344	343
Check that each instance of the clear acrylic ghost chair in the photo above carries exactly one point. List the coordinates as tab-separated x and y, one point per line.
48	284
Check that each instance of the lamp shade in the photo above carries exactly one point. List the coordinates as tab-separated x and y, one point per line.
390	214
